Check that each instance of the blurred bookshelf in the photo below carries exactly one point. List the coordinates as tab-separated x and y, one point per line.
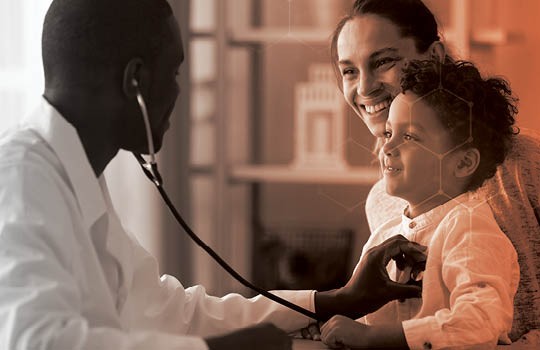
287	174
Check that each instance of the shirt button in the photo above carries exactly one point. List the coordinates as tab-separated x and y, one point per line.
427	345
412	224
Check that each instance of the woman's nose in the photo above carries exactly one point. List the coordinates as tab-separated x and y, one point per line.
367	84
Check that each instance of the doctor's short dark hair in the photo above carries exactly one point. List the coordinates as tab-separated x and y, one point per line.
82	39
479	112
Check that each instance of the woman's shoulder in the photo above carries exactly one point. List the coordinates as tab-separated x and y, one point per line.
525	147
519	175
514	193
381	207
528	135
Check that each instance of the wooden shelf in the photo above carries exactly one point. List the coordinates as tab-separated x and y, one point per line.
280	35
322	36
290	174
488	37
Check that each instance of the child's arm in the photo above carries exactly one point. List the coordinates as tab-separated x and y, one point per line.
340	330
476	267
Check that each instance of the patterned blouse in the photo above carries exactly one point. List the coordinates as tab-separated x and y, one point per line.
514	196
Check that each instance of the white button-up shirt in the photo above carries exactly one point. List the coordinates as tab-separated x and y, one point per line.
72	278
469	282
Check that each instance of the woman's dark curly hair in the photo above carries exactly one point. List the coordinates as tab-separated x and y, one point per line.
478	112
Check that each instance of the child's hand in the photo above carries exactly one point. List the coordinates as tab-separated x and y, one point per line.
341	331
312	331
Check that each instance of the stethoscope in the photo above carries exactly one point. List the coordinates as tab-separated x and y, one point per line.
151	171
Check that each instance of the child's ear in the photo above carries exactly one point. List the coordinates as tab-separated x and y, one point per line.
467	162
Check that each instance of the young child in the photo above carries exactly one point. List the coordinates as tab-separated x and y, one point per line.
446	133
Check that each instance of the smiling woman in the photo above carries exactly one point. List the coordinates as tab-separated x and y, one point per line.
433	157
370	70
370	47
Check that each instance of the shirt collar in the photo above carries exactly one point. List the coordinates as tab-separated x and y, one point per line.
64	140
435	215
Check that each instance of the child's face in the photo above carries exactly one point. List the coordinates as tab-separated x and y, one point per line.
414	159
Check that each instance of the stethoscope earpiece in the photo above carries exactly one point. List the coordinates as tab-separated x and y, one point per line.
146	119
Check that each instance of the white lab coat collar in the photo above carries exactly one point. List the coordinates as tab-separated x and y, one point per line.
64	141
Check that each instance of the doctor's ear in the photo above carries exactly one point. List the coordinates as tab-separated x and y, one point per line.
132	79
467	162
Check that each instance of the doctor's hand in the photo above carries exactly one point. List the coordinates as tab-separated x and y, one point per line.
261	337
370	287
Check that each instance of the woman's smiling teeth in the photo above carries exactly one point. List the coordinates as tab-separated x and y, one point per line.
378	107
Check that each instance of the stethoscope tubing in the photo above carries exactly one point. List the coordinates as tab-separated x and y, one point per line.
151	171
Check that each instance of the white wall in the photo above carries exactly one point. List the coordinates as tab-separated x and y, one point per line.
21	73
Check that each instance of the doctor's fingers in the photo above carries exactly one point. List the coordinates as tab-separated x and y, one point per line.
398	290
399	246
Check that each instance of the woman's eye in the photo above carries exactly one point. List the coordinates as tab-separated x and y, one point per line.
347	71
408	137
384	61
387	134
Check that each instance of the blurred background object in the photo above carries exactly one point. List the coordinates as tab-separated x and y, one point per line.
304	258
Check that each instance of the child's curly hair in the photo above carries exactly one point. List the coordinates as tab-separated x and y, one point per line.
478	112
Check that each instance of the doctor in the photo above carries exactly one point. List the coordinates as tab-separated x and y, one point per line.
70	276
